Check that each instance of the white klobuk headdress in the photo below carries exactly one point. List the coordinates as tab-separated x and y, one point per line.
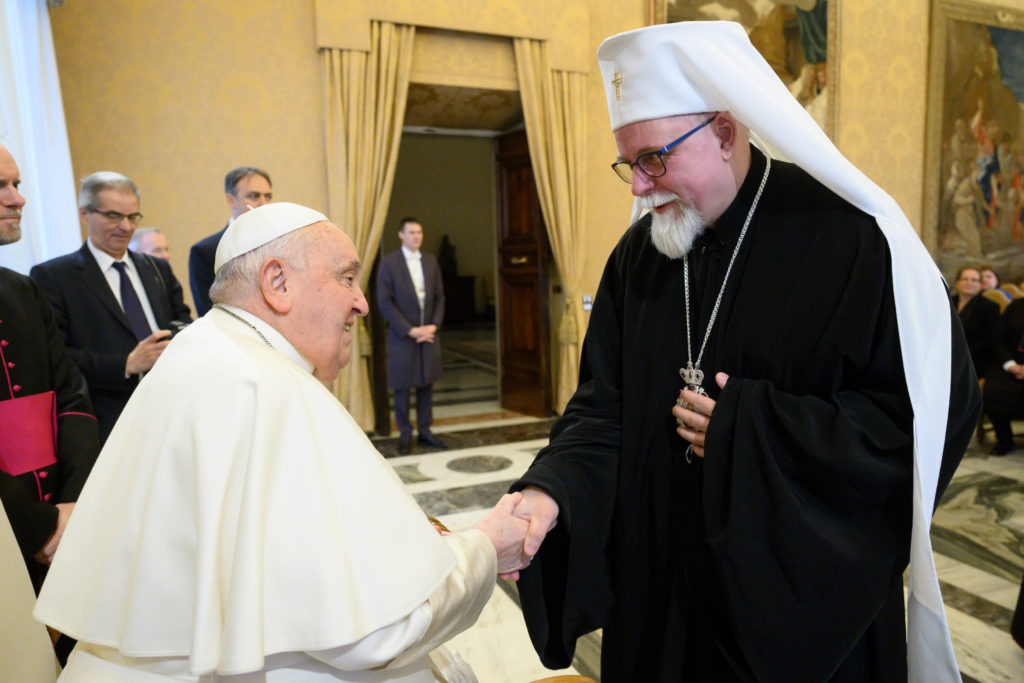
696	67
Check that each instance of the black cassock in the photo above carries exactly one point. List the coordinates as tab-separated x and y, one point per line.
779	557
35	362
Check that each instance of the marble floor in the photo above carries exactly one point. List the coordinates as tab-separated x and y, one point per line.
978	534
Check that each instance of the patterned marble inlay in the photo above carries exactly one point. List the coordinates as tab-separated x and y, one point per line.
479	463
981	522
479	497
410	474
472	438
977	607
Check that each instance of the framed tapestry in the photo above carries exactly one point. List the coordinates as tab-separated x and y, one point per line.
974	152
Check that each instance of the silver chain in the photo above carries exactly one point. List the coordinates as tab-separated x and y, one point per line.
245	322
718	301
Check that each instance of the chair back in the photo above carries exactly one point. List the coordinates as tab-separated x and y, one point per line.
1013	290
997	296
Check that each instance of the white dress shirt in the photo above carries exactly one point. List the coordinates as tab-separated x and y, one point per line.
113	278
414	262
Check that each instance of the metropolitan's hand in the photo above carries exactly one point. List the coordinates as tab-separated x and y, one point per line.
45	554
506	533
145	354
696	415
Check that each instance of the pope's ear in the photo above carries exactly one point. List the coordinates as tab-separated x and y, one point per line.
274	285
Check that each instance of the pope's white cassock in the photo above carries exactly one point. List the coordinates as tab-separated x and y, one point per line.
238	520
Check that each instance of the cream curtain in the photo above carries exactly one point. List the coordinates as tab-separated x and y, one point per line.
553	106
364	107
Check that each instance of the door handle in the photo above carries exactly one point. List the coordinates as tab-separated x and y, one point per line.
518	260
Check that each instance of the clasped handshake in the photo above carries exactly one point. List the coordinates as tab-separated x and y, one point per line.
517	526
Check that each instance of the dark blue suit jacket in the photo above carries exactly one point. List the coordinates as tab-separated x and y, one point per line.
200	270
410	364
94	325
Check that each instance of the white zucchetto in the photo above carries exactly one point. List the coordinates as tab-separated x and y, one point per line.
256	227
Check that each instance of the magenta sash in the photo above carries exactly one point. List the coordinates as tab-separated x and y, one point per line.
28	433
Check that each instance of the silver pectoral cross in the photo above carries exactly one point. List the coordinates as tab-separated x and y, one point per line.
693	377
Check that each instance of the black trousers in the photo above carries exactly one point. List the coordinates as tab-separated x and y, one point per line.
424	411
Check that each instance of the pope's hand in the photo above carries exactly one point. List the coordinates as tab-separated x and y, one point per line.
506	533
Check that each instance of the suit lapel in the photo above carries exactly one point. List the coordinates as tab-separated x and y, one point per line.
154	290
93	279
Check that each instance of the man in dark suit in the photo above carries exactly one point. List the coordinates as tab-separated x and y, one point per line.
411	298
114	307
245	187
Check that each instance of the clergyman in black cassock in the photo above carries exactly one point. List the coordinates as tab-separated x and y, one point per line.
36	364
770	542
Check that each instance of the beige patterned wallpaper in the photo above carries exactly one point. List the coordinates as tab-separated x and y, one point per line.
883	72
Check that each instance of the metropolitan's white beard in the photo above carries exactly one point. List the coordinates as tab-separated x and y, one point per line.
673	231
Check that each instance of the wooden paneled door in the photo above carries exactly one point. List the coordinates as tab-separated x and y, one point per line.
523	258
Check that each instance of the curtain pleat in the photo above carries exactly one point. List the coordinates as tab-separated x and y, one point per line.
553	107
364	107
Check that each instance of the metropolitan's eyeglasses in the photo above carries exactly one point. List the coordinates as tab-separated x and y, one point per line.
653	163
115	217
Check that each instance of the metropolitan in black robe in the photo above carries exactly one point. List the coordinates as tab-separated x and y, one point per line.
36	362
780	556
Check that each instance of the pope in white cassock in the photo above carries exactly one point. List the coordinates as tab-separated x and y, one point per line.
238	524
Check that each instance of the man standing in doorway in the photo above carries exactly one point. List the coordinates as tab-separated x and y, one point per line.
411	298
245	187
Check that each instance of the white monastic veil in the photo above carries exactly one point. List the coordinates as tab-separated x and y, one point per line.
696	67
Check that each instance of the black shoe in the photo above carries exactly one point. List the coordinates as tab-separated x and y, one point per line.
1001	449
432	441
405	445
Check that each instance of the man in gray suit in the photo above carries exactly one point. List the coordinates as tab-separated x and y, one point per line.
411	298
